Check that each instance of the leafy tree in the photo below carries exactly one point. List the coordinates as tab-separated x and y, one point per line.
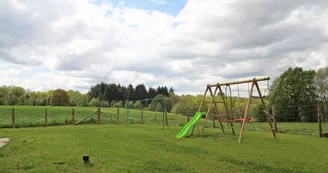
59	98
104	103
171	92
321	81
94	102
112	103
131	105
292	89
138	105
118	104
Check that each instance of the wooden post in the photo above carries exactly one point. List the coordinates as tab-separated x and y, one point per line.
226	108
188	118
118	115
73	119
319	121
246	112
267	115
98	117
142	120
46	118
13	118
274	119
208	111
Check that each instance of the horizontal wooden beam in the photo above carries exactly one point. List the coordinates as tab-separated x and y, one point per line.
239	82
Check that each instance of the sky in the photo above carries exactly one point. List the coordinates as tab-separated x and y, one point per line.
74	44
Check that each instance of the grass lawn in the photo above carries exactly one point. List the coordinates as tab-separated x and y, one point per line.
148	148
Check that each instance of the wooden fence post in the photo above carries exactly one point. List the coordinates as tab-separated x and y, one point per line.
13	118
118	115
319	121
142	120
45	117
188	118
274	119
73	119
98	117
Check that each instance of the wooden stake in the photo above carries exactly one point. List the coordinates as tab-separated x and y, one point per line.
142	120
246	112
118	115
45	117
319	121
267	115
73	118
187	115
13	118
98	117
274	119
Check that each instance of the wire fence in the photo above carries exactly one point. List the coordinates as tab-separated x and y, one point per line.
295	119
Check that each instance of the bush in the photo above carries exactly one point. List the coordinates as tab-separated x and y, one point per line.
118	105
94	102
104	104
112	103
138	105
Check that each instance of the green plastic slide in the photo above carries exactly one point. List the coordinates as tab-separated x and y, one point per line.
188	126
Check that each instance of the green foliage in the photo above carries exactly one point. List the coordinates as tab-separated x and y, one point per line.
131	105
59	98
293	87
112	103
118	104
104	104
94	102
138	105
321	82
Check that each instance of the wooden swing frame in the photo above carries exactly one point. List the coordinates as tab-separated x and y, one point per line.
218	88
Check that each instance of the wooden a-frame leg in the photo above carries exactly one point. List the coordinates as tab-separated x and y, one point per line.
246	113
208	110
266	114
226	108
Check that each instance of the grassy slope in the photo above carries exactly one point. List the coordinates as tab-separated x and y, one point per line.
147	148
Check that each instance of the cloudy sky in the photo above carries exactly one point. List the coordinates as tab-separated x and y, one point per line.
73	44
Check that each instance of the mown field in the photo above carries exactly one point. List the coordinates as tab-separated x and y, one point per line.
149	148
32	116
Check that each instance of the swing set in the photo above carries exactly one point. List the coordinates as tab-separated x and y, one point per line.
229	116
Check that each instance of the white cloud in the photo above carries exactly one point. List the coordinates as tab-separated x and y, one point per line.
206	42
159	1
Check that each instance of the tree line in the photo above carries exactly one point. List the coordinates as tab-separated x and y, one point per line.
296	90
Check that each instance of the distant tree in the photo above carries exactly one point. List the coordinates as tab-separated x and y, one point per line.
118	104
138	105
112	103
292	89
104	104
59	98
131	105
171	92
94	102
321	81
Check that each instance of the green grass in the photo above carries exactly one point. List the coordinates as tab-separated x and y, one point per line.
33	116
148	148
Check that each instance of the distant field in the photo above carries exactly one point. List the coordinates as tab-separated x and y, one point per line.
31	116
148	148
